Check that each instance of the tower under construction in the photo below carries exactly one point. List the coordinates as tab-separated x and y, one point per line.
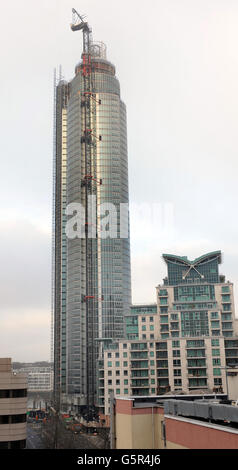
91	272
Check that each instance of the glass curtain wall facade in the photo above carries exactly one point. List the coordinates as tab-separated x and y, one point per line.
59	237
109	288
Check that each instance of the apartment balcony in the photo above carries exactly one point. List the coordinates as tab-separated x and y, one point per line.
139	366
161	354
139	384
162	373
231	343
138	374
161	346
197	382
140	391
174	327
140	347
195	355
227	326
231	353
197	366
197	387
134	358
198	375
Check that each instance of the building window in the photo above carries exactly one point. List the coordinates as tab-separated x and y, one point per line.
174	316
216	362
215	342
176	344
164	319
174	334
117	363
215	352
164	310
216	371
125	391
214	315
109	364
176	353
225	289
151	318
125	354
177	382
164	335
125	363
176	362
164	328
126	382
217	381
226	298
109	354
216	333
163	292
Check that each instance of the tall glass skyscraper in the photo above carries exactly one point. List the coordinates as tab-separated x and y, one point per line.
92	282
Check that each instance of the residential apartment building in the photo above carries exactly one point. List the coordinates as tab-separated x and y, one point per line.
184	345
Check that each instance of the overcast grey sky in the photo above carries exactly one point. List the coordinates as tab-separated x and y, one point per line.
177	63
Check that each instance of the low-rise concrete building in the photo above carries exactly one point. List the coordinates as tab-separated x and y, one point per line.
13	406
39	379
173	424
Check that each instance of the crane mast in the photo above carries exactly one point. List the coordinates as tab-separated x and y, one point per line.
78	24
89	184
